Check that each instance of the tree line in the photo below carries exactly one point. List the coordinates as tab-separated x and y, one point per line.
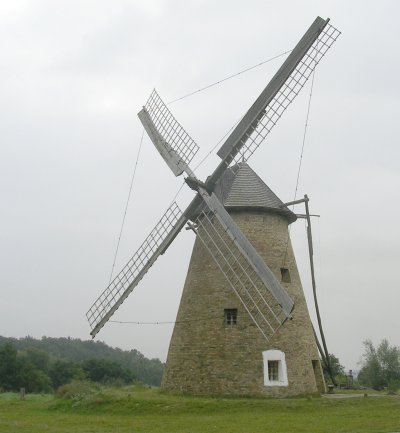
380	367
46	364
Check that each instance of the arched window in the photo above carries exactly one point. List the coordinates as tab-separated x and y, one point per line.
275	371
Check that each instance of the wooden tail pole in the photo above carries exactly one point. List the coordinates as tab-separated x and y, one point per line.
326	359
320	349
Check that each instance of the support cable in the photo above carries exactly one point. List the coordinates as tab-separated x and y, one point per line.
126	207
227	78
304	135
172	322
300	161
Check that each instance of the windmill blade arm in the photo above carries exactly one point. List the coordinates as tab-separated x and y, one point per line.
250	252
174	162
170	139
277	96
267	303
122	285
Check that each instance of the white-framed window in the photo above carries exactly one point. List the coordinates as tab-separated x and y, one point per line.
275	371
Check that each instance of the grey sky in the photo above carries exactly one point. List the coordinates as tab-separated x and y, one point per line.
73	75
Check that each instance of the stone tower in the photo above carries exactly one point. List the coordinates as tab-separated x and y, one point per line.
216	349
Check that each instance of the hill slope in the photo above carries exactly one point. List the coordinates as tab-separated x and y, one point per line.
146	370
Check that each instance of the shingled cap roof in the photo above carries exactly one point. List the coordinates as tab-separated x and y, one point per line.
241	188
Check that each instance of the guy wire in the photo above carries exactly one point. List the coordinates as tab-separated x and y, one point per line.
126	207
300	160
227	78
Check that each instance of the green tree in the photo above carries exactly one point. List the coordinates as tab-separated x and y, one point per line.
62	372
39	358
32	378
380	365
9	368
100	370
337	369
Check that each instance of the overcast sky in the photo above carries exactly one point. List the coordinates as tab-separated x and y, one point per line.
73	75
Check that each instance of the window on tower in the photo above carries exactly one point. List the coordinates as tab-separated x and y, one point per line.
285	275
230	316
273	370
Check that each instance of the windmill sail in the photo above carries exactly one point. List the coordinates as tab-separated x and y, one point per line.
277	96
260	292
170	139
266	301
122	285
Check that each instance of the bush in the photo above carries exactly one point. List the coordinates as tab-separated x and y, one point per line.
393	386
77	389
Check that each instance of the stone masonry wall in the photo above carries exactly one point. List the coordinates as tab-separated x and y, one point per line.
207	356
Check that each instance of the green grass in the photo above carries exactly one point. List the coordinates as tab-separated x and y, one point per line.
135	409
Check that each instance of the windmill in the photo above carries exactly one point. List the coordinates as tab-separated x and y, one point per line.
232	334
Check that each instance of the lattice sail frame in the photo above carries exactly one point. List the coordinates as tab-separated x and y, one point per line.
120	287
262	307
286	94
170	129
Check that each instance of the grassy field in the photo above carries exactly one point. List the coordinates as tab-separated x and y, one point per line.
133	409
